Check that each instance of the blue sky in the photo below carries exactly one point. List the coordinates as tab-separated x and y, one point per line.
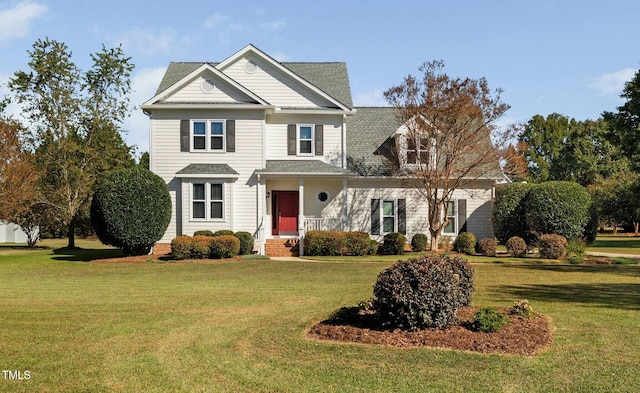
570	57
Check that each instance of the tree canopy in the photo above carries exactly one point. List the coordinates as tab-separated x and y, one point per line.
450	136
73	123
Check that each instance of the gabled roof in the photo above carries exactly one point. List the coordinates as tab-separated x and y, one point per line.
330	78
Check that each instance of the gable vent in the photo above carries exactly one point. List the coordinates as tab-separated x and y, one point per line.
207	86
250	67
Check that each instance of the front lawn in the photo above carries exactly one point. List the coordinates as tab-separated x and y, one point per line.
239	326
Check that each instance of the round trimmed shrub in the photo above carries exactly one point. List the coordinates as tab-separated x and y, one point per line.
224	246
419	242
393	243
203	232
508	211
558	207
201	247
131	209
516	247
246	242
223	232
357	243
489	320
373	247
465	243
552	246
314	242
181	247
487	247
422	292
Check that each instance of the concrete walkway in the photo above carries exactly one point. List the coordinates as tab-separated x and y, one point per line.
613	255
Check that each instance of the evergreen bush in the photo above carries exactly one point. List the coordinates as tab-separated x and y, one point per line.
508	211
423	292
393	243
465	243
246	242
552	246
419	242
224	246
489	320
487	247
223	232
516	247
181	247
203	232
201	246
131	209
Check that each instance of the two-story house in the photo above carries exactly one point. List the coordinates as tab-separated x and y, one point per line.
277	149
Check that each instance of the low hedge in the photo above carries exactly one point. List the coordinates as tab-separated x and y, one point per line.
246	242
393	243
336	243
224	246
182	247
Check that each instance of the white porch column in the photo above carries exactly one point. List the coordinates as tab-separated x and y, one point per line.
261	194
345	206
300	215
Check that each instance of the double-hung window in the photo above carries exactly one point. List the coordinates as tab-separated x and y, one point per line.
451	215
421	151
305	139
208	135
389	216
207	201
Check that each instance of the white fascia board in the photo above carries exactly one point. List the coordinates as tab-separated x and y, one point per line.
204	67
204	105
205	176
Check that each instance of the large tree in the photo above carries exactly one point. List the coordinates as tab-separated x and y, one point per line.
625	124
544	138
451	136
74	123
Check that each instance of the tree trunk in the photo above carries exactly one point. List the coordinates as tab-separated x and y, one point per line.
435	240
71	240
635	228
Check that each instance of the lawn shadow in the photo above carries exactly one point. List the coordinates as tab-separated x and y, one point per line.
624	296
85	255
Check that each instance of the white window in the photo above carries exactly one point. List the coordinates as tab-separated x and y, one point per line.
450	213
389	215
305	140
207	201
421	151
208	135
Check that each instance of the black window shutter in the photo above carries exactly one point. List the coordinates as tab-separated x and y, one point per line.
319	139
375	216
402	216
462	215
291	139
184	135
231	136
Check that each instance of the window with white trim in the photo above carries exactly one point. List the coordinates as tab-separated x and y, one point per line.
305	139
389	216
207	201
208	135
451	212
420	151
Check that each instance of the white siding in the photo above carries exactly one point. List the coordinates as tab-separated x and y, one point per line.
222	92
274	85
11	233
167	159
276	148
360	193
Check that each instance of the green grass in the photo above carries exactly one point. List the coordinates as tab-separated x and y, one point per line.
238	326
616	244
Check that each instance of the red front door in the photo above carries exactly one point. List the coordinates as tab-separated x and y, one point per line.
285	209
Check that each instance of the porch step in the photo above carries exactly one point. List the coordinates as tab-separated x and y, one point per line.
281	247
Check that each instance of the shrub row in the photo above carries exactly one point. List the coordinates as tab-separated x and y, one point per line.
212	245
558	207
246	239
423	292
337	243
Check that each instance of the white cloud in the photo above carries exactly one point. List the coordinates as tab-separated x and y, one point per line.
613	83
228	27
148	42
143	85
15	22
373	97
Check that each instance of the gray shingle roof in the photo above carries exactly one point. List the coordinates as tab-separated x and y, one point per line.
207	169
308	167
332	78
369	132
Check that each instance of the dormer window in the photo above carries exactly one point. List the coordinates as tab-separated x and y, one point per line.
418	151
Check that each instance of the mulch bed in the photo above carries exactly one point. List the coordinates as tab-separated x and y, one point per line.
523	336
